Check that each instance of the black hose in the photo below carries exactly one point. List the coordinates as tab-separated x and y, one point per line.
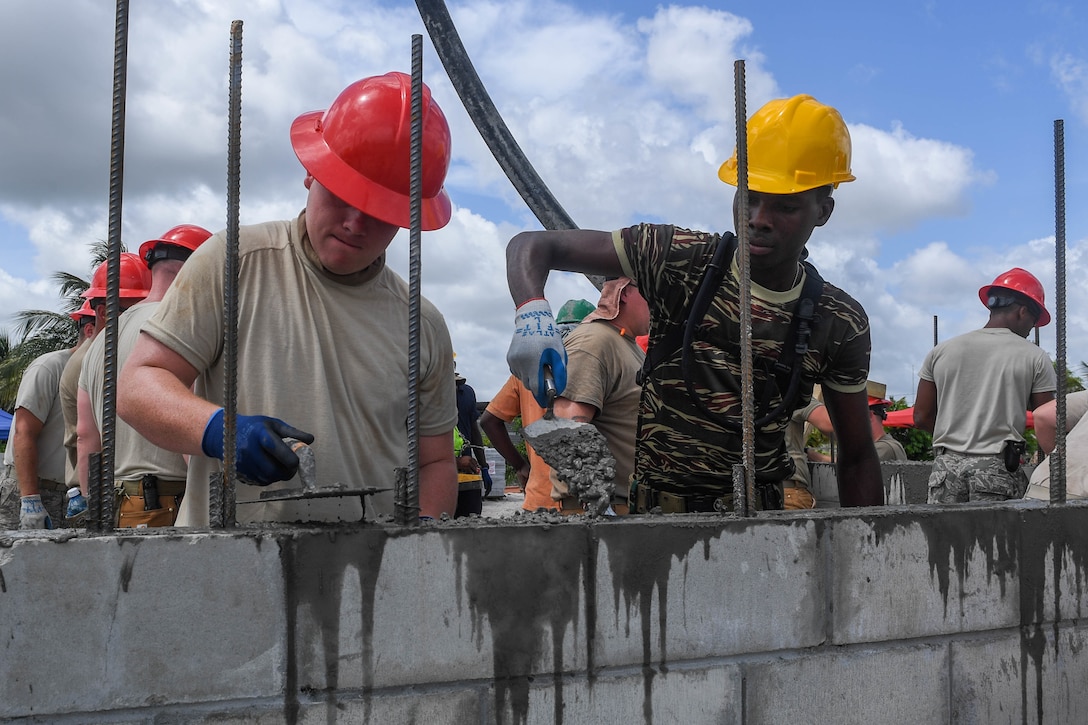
493	130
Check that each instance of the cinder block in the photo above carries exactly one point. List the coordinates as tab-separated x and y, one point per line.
904	573
988	677
876	686
999	680
693	696
402	707
905	482
686	587
136	620
1054	561
375	608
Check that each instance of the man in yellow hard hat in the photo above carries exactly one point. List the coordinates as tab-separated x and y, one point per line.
804	330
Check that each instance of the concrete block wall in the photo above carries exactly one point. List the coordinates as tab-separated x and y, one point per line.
966	614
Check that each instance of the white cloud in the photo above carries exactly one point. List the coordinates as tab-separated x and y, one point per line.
624	120
1071	75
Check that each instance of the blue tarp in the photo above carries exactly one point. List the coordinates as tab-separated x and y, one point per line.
5	424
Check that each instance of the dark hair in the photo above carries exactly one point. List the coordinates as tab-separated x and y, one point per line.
1001	297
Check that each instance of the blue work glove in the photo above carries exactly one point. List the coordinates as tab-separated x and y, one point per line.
263	457
32	514
487	480
537	342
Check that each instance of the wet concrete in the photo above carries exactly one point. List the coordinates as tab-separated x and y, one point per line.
580	457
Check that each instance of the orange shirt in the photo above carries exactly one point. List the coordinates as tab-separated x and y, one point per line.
512	400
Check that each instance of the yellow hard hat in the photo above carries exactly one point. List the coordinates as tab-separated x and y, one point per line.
794	144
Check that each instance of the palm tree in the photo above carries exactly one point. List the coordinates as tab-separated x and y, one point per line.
42	331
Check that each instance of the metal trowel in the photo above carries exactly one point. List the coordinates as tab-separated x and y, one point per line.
307	474
577	452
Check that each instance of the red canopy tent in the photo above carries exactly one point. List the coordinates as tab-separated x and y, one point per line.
905	419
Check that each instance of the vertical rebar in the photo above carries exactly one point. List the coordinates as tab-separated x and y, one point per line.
105	503
744	505
230	283
1057	459
414	262
935	338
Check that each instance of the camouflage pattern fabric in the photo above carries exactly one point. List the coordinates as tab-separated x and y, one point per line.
679	448
958	478
10	502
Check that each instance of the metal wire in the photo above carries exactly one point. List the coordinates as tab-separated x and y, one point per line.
744	505
225	488
1057	460
414	264
105	498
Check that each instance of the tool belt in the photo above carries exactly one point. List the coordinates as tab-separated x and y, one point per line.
647	498
147	502
768	498
134	487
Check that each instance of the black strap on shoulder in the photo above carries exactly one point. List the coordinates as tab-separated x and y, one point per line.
788	367
712	277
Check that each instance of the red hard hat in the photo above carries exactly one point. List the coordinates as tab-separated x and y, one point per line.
1024	282
187	236
135	279
85	311
873	400
359	150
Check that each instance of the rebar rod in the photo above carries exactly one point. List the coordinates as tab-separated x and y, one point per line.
229	478
105	498
411	511
1057	461
744	505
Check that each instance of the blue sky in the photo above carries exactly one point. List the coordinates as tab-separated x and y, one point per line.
625	108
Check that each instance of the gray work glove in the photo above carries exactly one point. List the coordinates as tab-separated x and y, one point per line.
32	514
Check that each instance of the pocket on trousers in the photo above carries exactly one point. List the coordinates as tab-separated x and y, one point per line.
938	489
131	514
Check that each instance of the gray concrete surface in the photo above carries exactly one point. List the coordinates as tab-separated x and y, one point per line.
962	614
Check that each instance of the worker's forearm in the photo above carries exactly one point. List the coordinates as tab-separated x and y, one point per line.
527	267
164	410
26	468
860	482
85	446
438	488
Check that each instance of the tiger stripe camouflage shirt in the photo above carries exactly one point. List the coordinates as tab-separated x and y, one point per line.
680	447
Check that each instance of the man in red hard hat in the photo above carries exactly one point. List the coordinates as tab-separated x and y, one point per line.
134	282
690	433
150	481
975	390
323	328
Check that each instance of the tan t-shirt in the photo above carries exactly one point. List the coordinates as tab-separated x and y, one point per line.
69	384
1076	454
602	371
38	394
326	354
134	456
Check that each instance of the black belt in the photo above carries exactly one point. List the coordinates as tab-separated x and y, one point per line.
647	498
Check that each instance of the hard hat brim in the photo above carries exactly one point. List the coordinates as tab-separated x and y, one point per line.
357	190
984	293
727	172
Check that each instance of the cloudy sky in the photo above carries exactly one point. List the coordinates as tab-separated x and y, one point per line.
625	108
